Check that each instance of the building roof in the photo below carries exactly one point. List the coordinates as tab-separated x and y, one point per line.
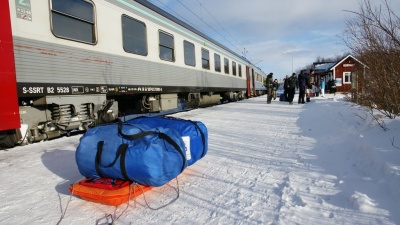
340	62
323	67
328	66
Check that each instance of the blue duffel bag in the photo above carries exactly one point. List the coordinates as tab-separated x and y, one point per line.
134	152
194	133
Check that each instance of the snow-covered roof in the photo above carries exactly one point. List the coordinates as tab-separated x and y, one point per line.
328	66
323	67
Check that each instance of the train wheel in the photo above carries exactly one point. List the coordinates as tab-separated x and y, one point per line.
8	139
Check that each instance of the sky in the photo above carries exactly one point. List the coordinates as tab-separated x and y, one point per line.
324	162
277	36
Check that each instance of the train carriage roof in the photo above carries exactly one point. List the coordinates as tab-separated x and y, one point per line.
167	15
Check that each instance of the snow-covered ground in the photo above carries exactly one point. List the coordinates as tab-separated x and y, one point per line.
325	162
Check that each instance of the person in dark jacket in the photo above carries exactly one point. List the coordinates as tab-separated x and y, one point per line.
269	85
332	85
302	81
292	85
286	88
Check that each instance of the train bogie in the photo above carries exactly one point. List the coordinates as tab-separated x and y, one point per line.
51	116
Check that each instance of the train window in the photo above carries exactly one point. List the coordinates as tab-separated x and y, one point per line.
166	46
134	36
217	62
189	53
233	68
226	65
73	20
240	70
205	58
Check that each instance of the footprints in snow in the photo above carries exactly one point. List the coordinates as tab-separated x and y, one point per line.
288	196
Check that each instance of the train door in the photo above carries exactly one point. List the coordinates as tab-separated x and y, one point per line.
248	89
9	112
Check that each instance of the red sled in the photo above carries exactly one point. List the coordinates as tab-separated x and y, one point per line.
107	191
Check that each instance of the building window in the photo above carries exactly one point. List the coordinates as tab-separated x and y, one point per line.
233	68
240	70
226	65
347	78
189	53
166	46
134	36
205	58
73	20
217	62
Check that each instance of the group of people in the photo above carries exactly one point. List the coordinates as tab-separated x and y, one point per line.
302	82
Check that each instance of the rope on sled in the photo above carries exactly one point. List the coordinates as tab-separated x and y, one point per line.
66	207
169	203
113	217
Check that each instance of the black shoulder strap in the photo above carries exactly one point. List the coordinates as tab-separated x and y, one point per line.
121	153
176	146
160	135
121	149
123	166
203	138
132	136
98	157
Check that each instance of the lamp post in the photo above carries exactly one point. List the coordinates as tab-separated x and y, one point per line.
291	54
292	61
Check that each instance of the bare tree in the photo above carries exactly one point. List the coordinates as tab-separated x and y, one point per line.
373	35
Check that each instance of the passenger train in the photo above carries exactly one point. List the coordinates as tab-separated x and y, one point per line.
72	64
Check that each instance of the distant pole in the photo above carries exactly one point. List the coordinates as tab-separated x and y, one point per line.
292	63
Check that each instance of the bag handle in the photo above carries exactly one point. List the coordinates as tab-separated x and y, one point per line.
160	135
122	148
203	138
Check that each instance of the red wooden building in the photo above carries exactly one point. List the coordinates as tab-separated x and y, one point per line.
344	72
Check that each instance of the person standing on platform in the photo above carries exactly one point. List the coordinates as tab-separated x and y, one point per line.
310	85
269	84
286	88
292	85
275	87
332	85
302	80
322	86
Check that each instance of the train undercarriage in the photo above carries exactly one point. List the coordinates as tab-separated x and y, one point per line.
50	117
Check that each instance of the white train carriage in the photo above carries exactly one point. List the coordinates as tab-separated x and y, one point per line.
83	62
259	78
